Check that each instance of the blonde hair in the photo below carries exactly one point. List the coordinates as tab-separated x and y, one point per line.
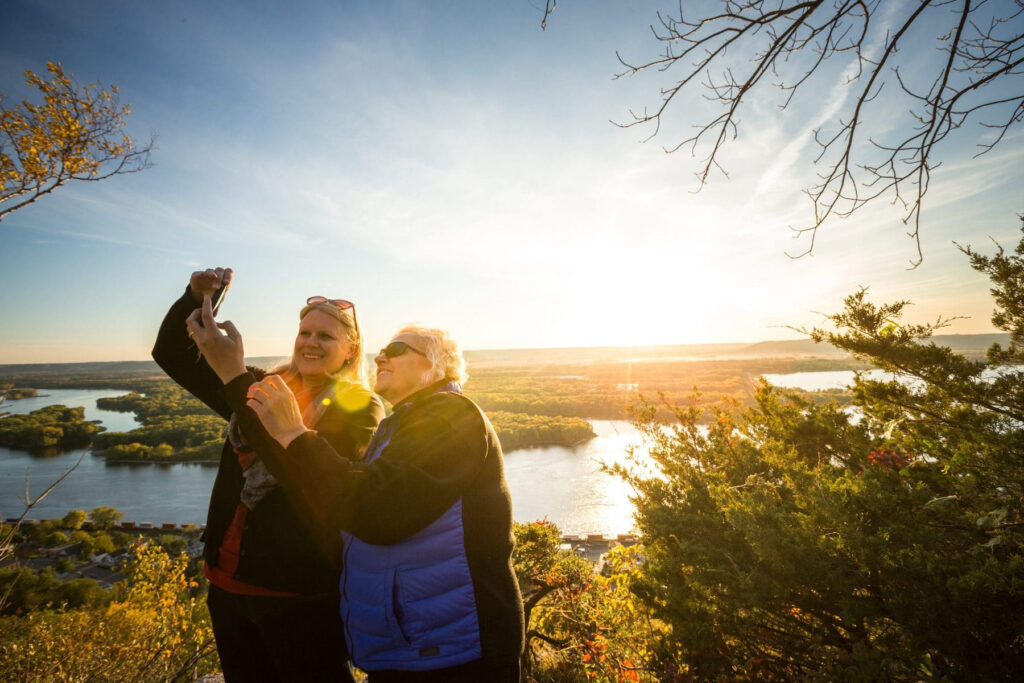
354	369
443	352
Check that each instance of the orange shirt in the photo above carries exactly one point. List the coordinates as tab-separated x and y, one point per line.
223	574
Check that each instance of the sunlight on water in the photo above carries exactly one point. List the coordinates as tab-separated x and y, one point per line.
813	381
563	485
566	485
839	379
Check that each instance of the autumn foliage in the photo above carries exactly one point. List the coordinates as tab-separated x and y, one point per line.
582	625
75	133
157	629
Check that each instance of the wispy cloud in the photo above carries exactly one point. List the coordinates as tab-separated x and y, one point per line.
437	169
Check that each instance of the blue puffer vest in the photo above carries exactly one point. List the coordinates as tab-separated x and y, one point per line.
410	605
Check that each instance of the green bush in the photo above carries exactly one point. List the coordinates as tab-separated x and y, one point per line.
47	427
105	517
796	541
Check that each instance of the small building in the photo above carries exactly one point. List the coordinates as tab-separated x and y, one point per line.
109	560
106	578
37	564
63	550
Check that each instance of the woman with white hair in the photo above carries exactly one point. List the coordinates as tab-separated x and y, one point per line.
428	592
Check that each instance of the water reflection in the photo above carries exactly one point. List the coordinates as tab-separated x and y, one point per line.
563	485
145	493
841	379
566	485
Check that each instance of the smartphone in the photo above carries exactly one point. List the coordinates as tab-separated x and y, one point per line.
218	296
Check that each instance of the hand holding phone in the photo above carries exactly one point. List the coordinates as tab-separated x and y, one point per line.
212	281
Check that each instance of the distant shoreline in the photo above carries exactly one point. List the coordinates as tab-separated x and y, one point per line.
976	342
169	461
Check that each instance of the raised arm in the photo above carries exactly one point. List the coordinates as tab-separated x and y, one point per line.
431	458
176	353
429	462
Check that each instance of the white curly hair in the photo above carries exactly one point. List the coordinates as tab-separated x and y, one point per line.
443	352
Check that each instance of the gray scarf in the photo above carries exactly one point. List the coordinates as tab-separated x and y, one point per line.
258	479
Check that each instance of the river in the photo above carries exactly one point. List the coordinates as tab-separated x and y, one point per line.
819	381
86	398
837	379
563	485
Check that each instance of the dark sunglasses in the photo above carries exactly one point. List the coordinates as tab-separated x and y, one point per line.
397	348
341	304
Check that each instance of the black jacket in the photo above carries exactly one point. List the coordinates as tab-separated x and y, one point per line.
435	450
283	546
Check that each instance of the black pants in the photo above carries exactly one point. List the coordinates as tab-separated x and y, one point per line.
279	639
479	671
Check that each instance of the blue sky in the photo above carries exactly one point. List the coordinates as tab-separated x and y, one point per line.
452	164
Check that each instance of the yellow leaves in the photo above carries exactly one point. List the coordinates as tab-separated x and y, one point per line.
155	628
74	133
592	626
888	328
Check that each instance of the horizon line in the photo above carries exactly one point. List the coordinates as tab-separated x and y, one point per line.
538	349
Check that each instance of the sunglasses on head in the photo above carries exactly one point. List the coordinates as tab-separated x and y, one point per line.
340	304
397	348
343	304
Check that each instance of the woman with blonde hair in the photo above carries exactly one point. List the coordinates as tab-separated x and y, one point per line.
428	593
272	561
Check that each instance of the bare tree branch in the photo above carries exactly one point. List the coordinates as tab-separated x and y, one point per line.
549	7
950	59
7	538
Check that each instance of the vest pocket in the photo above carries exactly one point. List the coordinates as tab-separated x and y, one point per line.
392	610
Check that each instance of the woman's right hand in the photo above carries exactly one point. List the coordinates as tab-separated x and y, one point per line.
222	350
276	407
206	282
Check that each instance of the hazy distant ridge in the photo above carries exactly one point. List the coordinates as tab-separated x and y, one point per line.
121	369
971	344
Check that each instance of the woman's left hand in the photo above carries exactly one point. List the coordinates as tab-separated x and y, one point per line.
275	405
